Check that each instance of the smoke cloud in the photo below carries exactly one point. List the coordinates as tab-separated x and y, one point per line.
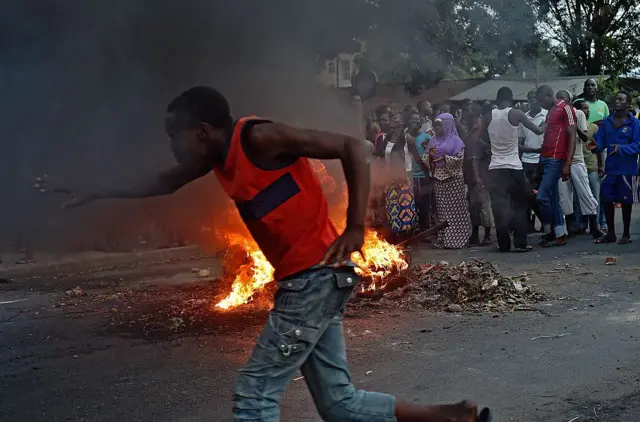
85	86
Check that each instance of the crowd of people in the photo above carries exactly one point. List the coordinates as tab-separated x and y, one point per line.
567	163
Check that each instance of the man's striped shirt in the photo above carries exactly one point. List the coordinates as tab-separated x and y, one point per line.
560	117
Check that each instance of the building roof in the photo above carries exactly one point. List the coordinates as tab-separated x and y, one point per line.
395	93
520	87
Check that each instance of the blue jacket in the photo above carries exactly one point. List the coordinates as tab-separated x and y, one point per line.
627	137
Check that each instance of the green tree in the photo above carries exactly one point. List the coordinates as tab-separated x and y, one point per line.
593	36
419	42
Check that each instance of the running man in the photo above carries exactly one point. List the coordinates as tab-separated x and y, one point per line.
263	167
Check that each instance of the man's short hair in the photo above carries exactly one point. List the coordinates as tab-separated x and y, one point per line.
628	96
382	109
544	90
201	104
504	94
579	103
563	94
591	79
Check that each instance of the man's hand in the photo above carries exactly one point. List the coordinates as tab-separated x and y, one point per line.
339	253
44	184
615	150
601	171
591	144
566	172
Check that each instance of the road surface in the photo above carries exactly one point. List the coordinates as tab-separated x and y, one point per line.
71	357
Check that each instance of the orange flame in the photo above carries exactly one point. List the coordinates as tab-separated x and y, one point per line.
251	277
380	257
380	260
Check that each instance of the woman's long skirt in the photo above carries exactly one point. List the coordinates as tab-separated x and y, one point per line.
400	207
452	206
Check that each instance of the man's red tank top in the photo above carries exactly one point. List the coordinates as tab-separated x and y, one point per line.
285	210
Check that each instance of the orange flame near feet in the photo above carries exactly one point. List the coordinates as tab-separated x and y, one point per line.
251	277
380	257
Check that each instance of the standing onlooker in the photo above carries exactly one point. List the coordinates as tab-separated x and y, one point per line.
417	146
445	159
593	161
578	185
598	109
400	207
383	116
619	136
529	139
476	169
407	111
426	111
507	188
558	147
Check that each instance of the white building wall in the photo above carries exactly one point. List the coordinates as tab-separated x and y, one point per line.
337	72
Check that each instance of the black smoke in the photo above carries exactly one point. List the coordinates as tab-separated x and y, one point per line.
84	86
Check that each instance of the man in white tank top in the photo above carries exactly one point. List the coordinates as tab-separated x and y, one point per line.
507	187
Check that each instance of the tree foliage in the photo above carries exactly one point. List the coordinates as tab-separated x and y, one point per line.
593	36
418	42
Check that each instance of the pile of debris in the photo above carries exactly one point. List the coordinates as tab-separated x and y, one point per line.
475	285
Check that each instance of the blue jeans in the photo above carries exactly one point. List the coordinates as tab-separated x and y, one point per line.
548	198
305	332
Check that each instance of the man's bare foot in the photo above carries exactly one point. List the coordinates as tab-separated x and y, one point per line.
465	411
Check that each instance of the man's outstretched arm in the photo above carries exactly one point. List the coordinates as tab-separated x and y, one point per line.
164	183
276	141
518	117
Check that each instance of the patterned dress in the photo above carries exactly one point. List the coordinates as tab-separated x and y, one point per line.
400	204
401	208
451	204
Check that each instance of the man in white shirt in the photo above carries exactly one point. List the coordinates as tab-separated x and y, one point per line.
578	184
529	139
507	185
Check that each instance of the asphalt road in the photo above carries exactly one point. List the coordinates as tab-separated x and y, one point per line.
64	358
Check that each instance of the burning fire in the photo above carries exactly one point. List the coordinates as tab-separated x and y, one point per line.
251	277
380	260
380	257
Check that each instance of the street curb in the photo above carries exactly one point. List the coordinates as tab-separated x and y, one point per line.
106	262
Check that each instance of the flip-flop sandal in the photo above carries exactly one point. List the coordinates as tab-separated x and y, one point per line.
552	244
624	241
485	242
522	250
484	415
605	240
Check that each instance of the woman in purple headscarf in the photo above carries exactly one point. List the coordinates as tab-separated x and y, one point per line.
445	156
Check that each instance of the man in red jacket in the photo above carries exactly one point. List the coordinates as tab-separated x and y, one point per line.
263	167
